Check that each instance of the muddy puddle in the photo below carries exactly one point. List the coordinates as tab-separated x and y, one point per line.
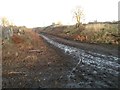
96	69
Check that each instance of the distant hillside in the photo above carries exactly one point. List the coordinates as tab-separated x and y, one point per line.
93	32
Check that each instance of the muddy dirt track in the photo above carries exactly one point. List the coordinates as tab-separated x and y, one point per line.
94	66
60	63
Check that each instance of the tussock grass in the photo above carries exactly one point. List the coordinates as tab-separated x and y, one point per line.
93	33
96	33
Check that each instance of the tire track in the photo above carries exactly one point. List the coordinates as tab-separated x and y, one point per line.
92	65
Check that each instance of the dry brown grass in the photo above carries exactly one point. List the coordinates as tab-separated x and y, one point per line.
94	27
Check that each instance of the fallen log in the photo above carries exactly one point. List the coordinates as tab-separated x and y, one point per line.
38	51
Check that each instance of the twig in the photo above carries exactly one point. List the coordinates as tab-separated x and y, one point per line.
75	68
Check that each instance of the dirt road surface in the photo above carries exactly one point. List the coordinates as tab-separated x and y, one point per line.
60	63
95	66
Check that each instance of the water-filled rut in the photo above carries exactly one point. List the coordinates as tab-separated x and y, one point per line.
98	70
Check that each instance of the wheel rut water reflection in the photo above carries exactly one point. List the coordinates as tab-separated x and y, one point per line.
96	69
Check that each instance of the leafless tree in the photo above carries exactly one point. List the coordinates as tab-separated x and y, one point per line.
4	22
78	15
7	30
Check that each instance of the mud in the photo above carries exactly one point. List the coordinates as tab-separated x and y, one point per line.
54	62
92	69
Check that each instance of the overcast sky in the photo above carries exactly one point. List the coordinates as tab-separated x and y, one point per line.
32	13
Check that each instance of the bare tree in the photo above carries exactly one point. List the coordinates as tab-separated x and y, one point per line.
78	15
7	30
4	22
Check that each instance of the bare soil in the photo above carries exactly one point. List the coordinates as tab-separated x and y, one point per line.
25	69
107	49
31	62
